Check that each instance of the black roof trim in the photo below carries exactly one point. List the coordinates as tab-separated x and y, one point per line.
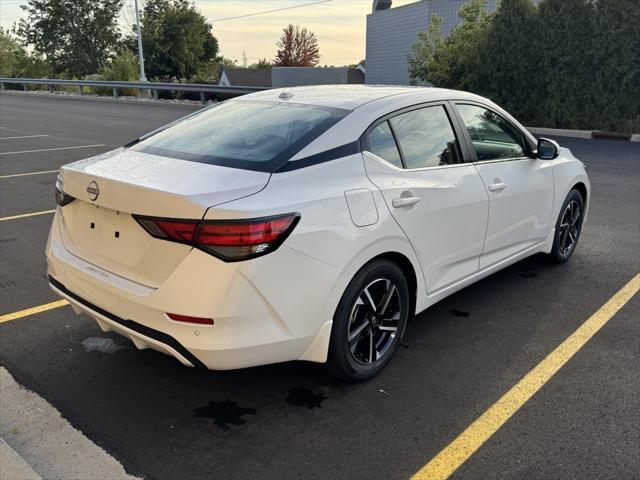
326	156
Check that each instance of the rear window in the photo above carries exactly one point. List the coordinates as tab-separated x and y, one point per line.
242	134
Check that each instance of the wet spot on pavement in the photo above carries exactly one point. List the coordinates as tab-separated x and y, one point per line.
529	274
100	344
303	397
459	313
224	413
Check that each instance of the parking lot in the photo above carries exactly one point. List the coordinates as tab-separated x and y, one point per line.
165	421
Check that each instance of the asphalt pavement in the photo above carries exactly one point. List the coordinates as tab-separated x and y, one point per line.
165	421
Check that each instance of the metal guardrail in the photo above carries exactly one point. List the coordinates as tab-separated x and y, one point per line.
154	87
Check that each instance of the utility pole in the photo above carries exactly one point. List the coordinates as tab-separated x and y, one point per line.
143	77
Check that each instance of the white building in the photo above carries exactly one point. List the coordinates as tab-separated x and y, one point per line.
392	31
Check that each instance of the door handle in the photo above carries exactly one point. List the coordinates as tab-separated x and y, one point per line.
405	201
497	187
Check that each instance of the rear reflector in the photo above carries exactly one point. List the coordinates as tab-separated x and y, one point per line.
229	240
187	319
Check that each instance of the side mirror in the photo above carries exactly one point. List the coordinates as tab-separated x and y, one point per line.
547	149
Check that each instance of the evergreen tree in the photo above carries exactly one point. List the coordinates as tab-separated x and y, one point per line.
510	60
616	74
567	42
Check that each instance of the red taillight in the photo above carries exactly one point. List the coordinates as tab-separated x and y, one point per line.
229	240
188	319
181	231
233	240
61	197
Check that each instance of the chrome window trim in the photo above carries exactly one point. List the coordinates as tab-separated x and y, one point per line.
444	103
421	169
501	160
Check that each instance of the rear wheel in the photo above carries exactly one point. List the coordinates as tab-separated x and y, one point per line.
369	321
568	227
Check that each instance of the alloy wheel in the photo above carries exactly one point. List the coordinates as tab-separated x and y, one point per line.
569	228
374	321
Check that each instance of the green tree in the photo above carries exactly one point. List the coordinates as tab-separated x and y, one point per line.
262	64
423	51
616	79
510	59
123	67
77	37
455	61
8	50
210	72
565	63
567	42
176	38
16	62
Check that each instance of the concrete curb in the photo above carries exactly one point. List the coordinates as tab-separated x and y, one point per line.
587	134
13	466
556	132
47	441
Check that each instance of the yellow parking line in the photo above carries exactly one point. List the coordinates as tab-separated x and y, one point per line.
27	174
457	452
52	149
22	136
32	311
25	215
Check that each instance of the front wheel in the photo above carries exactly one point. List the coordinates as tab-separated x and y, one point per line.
369	321
568	227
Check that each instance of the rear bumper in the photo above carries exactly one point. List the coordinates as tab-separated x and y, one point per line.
141	335
268	310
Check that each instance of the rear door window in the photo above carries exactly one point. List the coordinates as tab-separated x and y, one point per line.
243	134
426	137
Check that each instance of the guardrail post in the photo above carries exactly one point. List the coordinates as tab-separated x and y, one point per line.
24	87
50	88
155	94
1	86
203	97
115	92
80	90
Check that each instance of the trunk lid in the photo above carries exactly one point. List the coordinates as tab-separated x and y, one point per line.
99	228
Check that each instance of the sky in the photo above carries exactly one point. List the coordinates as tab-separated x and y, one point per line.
339	25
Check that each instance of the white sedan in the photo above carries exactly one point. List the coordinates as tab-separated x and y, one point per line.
307	223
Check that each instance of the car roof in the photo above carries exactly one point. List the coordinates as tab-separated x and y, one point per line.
350	97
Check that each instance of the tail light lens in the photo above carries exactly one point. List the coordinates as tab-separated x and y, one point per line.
62	198
229	240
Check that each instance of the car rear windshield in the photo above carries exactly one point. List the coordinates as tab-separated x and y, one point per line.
243	134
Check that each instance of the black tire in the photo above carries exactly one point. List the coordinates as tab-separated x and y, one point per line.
568	227
363	341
